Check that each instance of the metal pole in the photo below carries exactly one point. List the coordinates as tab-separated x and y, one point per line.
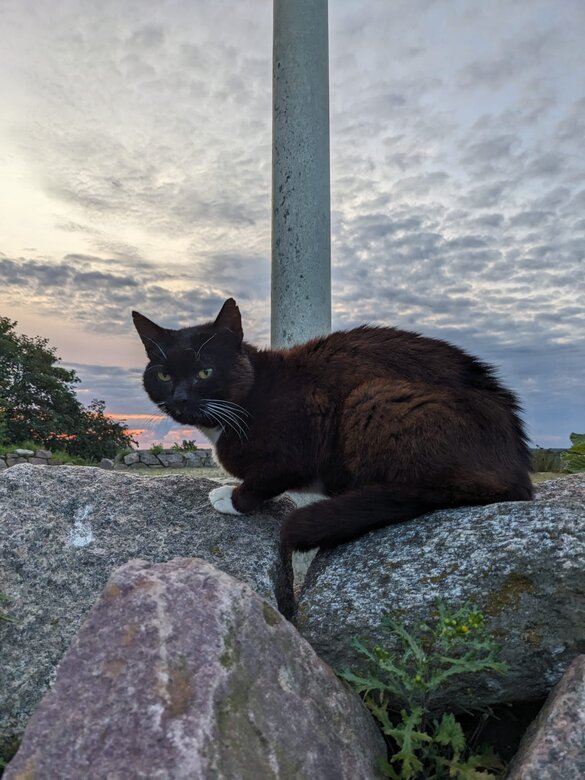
301	223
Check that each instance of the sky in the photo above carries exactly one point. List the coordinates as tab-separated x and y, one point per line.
135	170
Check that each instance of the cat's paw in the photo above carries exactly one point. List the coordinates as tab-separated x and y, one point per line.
221	499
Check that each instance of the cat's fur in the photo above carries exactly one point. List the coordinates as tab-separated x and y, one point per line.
390	423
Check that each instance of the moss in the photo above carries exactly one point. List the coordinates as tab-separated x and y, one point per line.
271	616
112	591
533	636
440	577
231	653
507	596
180	689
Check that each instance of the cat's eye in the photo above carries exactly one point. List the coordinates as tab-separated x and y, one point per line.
164	377
205	373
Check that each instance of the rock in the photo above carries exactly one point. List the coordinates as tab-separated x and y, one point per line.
149	459
38	461
520	563
171	459
184	672
63	530
133	457
24	453
106	463
554	745
43	454
564	489
12	461
3	464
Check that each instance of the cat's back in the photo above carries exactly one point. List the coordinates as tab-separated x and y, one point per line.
368	352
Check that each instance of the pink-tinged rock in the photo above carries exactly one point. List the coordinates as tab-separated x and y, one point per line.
183	672
554	745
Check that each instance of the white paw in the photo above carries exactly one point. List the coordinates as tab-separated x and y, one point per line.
221	499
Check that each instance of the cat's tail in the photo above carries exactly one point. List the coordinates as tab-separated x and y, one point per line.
344	517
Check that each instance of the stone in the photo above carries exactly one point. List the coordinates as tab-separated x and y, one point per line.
184	672
171	459
554	745
12	461
520	563
37	461
133	457
43	454
3	464
149	459
570	488
63	530
106	463
24	453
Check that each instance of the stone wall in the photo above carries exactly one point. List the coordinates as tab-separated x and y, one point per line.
174	459
39	457
169	459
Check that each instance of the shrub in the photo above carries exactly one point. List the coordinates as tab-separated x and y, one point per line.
156	449
403	687
186	446
24	445
546	460
574	459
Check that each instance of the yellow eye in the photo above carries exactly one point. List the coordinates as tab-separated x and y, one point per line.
205	373
164	377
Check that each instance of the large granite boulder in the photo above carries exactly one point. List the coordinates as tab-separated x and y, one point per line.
182	672
566	489
63	531
520	563
554	745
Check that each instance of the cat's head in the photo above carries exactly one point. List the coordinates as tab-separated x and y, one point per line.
195	375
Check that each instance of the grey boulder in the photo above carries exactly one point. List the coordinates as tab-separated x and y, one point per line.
64	530
520	563
182	672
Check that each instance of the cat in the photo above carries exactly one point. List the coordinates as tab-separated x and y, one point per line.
388	423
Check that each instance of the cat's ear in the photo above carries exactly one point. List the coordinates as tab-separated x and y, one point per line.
230	318
152	335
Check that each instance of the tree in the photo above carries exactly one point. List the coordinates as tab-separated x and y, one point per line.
38	402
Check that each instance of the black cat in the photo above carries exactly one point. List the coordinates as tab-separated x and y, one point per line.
387	423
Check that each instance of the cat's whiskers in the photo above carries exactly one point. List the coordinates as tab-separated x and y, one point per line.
204	343
230	414
227	417
157	346
235	406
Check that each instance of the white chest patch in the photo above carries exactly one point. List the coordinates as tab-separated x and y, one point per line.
212	434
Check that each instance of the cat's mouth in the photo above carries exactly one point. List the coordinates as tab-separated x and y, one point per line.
185	413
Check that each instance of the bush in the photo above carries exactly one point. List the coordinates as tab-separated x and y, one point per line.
546	460
403	687
186	446
156	449
574	459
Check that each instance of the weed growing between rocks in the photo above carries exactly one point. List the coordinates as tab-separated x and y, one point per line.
404	685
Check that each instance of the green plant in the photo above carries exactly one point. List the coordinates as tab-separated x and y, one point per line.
66	459
404	686
22	445
574	459
186	446
3	615
546	460
156	449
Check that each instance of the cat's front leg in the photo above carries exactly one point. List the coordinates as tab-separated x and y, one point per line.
240	499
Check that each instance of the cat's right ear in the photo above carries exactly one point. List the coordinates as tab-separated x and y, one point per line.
230	318
152	335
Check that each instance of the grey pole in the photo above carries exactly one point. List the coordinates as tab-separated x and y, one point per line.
301	223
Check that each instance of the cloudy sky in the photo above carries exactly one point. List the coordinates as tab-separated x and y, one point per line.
135	147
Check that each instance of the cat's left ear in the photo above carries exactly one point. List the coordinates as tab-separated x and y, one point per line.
231	319
152	335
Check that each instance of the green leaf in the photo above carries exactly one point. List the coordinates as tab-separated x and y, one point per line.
449	732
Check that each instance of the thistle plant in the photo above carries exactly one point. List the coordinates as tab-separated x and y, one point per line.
403	687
